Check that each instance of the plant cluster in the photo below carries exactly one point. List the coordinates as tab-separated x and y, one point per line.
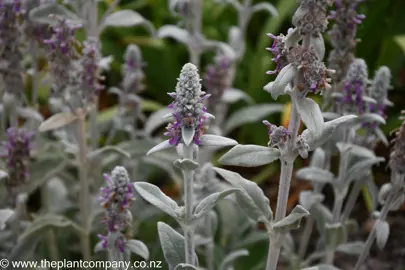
64	156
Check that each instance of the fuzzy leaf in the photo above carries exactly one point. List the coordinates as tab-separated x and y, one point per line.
329	127
228	261
159	147
157	119
5	214
251	198
108	149
174	32
265	7
314	174
28	240
3	174
309	198
186	164
185	266
356	171
29	113
370	118
318	158
155	196
382	233
232	95
311	115
381	136
292	221
355	150
126	18
41	14
250	114
351	248
283	79
187	135
139	248
319	45
209	202
57	121
250	156
172	245
215	140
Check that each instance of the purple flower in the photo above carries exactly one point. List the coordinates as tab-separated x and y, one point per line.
278	135
16	150
90	74
62	56
132	70
10	52
116	198
279	51
217	78
189	111
397	156
355	87
343	36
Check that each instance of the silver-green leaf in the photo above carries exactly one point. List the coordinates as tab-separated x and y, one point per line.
382	230
315	174
186	164
139	248
215	140
251	114
5	215
126	18
161	146
292	221
231	257
57	121
41	14
250	156
250	198
311	115
155	196
209	202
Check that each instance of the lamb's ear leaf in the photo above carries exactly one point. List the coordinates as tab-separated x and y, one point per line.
175	32
161	146
209	202
29	239
215	140
172	245
282	80
57	121
5	215
382	233
322	267
187	134
139	248
356	171
231	257
157	119
351	248
250	114
315	175
250	156
156	197
292	221
126	18
250	198
232	95
329	127
311	115
185	266
41	14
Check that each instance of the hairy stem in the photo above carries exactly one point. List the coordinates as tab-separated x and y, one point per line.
188	204
84	185
53	247
209	248
287	164
372	235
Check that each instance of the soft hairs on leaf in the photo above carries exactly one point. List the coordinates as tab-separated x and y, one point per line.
250	156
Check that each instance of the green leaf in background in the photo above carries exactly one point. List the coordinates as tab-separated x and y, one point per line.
400	40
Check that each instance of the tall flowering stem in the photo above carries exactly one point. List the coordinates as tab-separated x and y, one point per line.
302	62
391	195
188	126
16	150
116	197
343	38
11	57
